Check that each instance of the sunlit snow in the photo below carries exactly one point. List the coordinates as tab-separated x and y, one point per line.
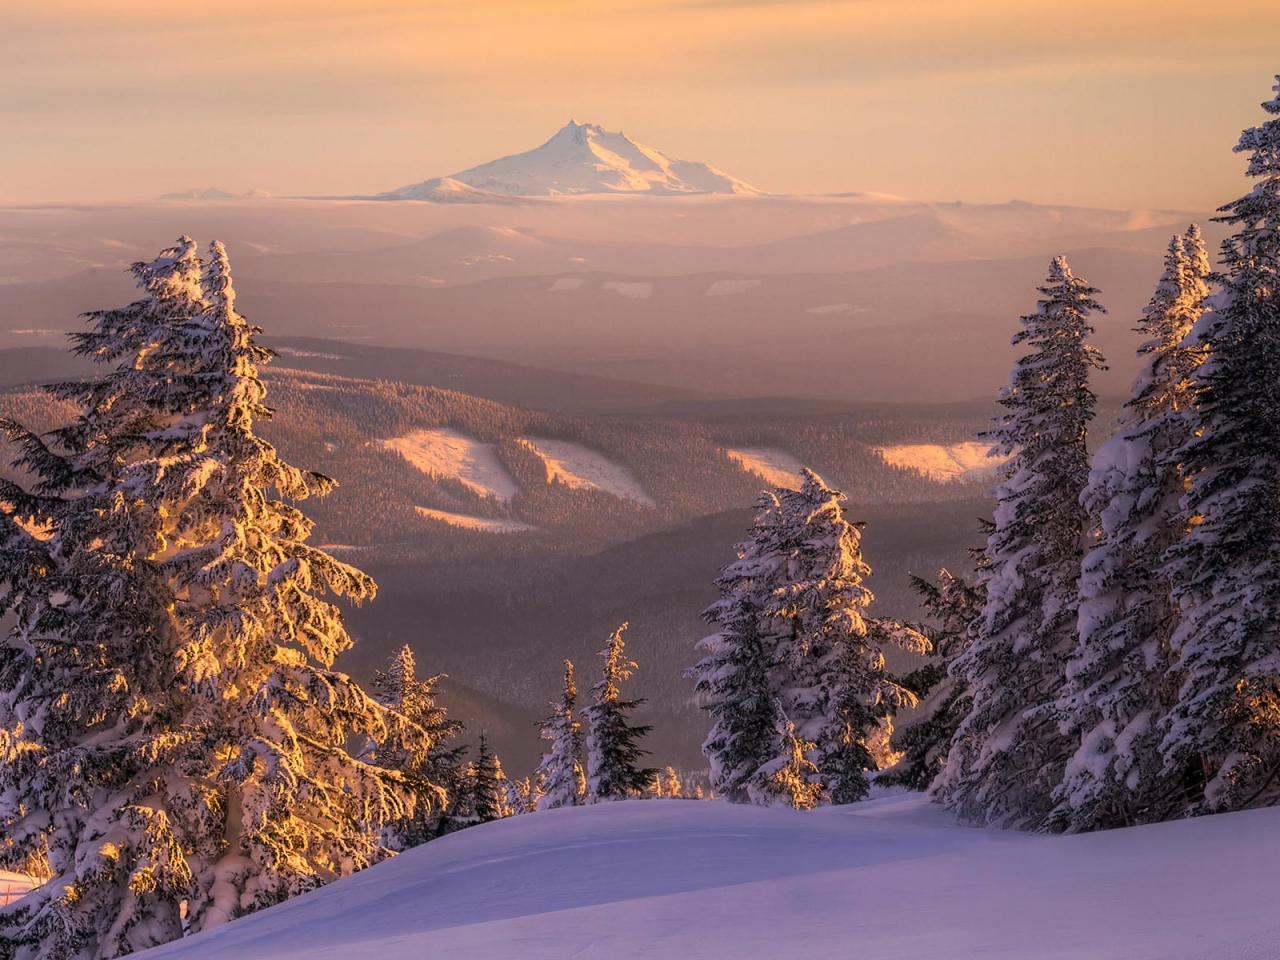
577	466
442	452
944	462
776	467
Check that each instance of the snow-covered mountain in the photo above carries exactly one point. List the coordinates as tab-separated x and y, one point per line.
583	158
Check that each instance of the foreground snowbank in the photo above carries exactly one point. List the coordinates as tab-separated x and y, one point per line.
889	879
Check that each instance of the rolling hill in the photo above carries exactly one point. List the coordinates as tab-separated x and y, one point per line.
890	879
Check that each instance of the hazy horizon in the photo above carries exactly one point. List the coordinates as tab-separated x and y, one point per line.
922	99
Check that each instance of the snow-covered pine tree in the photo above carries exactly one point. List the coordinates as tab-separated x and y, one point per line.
1008	755
672	785
560	771
172	730
793	636
952	604
490	789
612	739
423	753
528	791
1226	570
791	779
1119	681
462	805
833	684
733	681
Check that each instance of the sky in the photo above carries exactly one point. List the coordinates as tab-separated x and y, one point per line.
1118	103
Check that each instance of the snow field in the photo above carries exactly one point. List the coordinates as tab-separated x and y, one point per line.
887	879
442	452
583	468
943	462
776	467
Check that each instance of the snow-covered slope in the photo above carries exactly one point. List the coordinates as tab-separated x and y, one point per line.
944	461
582	158
776	467
889	879
582	468
442	452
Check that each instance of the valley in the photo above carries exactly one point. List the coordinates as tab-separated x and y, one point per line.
505	537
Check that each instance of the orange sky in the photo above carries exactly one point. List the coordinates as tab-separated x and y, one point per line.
1120	103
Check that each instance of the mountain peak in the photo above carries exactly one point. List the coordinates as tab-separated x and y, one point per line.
580	158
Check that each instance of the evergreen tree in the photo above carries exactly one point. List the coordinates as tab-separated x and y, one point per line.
793	636
462	805
733	680
612	747
791	779
1008	755
953	605
171	730
560	771
490	788
423	753
1226	570
1119	681
528	791
834	684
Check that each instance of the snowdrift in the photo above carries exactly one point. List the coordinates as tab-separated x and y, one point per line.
888	879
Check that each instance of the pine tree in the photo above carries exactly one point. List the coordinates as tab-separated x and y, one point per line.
791	779
733	679
528	791
953	605
835	687
489	790
1119	681
1226	570
612	747
1008	755
462	805
171	729
793	636
560	771
423	753
672	785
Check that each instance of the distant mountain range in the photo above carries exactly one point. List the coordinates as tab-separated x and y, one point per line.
214	193
582	158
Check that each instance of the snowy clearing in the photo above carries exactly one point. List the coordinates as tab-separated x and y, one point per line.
776	467
729	288
641	290
583	468
944	462
13	886
888	879
442	452
566	283
467	522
